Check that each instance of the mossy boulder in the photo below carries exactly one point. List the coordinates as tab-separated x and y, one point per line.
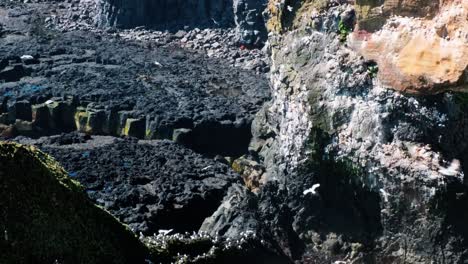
45	216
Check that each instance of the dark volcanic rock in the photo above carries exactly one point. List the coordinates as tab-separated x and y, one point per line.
81	83
245	15
12	73
149	185
250	23
354	172
201	248
124	13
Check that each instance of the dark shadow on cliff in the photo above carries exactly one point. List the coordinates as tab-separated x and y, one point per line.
341	204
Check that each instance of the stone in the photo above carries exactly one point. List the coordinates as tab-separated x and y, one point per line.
62	114
8	131
24	128
96	121
372	14
13	73
81	119
40	115
3	63
233	216
23	110
180	34
182	135
122	121
135	127
111	121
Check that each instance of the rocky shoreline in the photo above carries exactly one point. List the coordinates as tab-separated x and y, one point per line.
327	141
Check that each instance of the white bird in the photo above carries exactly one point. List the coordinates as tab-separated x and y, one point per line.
207	168
157	64
290	8
385	195
312	190
26	57
165	232
452	170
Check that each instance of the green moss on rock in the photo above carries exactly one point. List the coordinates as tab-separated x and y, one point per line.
46	217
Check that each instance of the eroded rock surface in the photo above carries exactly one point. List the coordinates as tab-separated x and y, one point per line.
355	172
165	12
76	81
420	46
344	164
244	15
149	185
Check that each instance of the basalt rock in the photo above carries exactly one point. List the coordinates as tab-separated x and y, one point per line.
250	23
245	15
149	185
13	73
123	13
140	91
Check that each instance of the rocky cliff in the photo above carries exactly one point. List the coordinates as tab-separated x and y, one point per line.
363	148
359	157
150	12
46	217
245	15
420	46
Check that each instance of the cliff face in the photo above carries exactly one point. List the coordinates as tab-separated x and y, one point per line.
368	174
149	12
245	15
420	46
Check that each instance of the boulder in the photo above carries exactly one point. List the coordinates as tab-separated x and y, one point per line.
135	127
13	73
23	110
81	119
181	135
41	115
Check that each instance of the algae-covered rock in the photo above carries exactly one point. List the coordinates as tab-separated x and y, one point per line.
45	217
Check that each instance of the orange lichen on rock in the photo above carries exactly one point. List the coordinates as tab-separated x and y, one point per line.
420	55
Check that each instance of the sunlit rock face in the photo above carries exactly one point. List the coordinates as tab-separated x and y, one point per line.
420	46
352	160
